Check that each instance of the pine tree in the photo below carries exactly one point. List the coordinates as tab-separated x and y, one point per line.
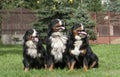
71	11
93	5
113	6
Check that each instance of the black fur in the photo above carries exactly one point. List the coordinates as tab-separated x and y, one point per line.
51	61
28	60
83	59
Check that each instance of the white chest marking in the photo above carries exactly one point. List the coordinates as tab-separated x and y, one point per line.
58	45
32	49
77	45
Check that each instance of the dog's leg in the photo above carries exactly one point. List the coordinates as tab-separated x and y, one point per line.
45	65
85	68
26	69
26	64
93	64
68	64
85	65
72	66
51	67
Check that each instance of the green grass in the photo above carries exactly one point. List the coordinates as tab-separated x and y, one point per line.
109	61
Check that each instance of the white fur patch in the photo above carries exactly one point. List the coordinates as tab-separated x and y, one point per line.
58	44
34	32
30	44
77	45
32	51
60	22
78	37
82	27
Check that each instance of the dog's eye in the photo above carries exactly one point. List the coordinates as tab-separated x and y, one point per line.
83	30
37	33
62	25
57	26
79	30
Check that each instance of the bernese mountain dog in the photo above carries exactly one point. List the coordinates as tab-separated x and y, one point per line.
33	51
81	54
56	44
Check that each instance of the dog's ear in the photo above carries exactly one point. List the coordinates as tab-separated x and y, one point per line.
71	32
49	29
51	24
64	25
25	36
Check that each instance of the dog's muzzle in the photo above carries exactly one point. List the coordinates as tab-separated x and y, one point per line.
60	28
35	39
82	34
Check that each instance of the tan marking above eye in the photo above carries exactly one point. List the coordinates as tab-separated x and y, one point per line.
58	26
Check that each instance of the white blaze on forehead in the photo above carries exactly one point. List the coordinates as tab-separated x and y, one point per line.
60	22
34	32
82	26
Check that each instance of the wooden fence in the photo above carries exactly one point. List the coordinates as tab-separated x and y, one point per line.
18	21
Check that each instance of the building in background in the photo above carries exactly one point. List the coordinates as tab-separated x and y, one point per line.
15	23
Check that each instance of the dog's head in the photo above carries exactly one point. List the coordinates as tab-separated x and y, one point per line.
56	25
31	35
78	32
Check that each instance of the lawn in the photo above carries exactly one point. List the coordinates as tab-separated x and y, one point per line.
109	61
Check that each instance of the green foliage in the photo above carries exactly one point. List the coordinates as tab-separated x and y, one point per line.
93	5
0	25
112	6
11	4
71	12
92	34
